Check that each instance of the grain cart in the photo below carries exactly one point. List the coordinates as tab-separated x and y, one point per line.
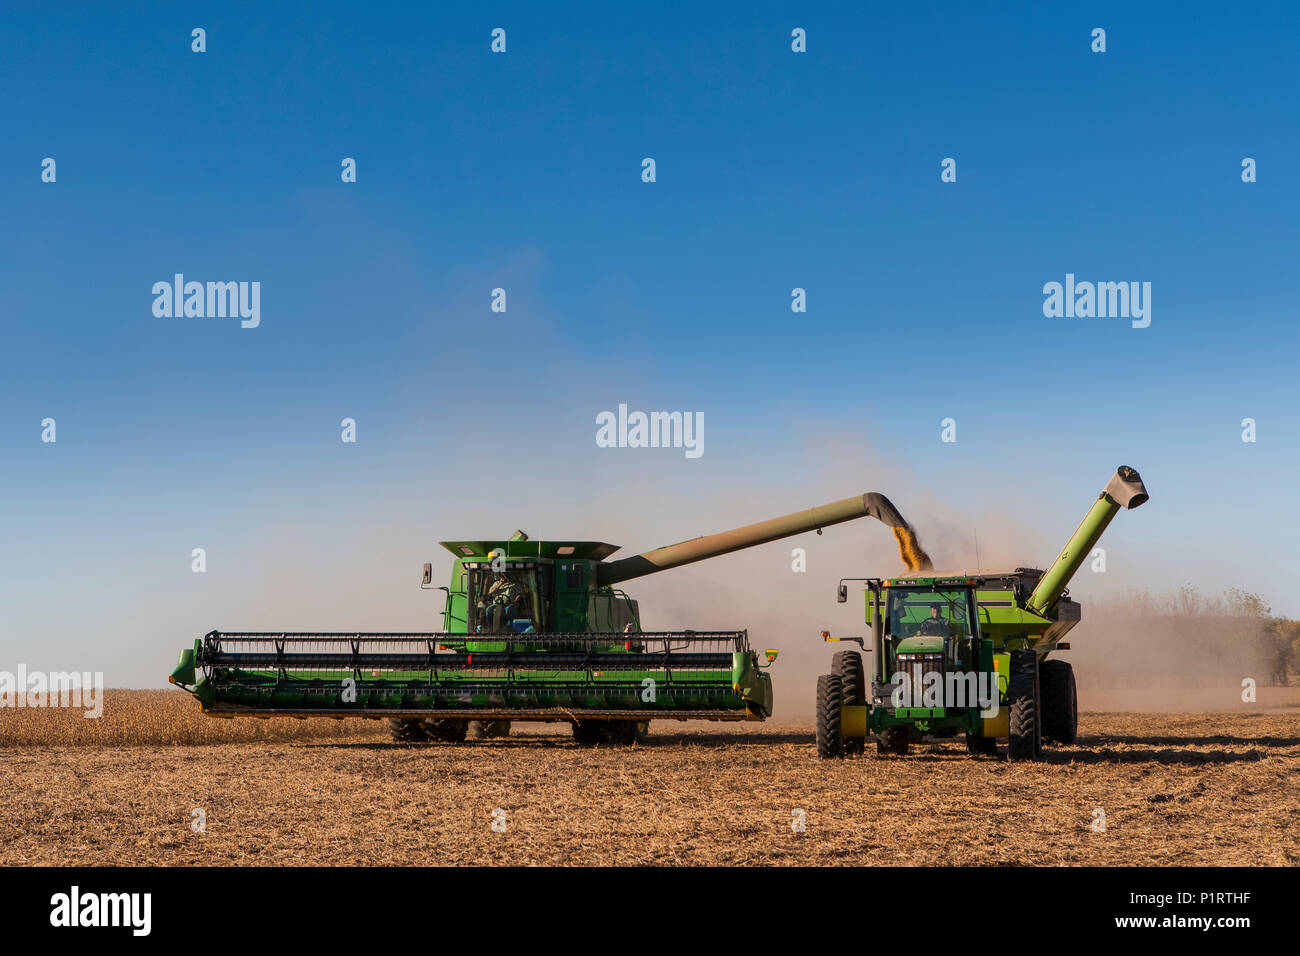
531	631
960	653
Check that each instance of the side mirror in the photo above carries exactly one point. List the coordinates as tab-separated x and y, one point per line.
428	574
842	595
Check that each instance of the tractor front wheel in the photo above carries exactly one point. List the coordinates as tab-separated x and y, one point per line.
848	665
893	742
981	746
830	698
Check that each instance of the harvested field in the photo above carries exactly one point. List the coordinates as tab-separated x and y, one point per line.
1192	789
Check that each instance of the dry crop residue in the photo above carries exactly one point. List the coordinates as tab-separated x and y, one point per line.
1175	788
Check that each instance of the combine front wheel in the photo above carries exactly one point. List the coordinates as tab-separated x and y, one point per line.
406	730
449	730
625	733
588	733
482	729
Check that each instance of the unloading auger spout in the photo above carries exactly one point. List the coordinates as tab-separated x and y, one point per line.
869	505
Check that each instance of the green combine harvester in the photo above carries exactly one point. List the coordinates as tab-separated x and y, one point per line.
532	631
962	653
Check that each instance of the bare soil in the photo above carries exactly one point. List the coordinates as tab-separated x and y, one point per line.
1196	789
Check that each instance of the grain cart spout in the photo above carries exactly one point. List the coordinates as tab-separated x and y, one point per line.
532	630
1124	490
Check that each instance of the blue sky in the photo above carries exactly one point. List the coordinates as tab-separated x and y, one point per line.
522	170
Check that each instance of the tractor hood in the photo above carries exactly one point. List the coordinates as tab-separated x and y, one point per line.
928	644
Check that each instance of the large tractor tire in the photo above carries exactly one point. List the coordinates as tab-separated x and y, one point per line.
407	730
1060	702
847	665
830	698
1024	698
893	742
614	733
626	733
447	730
482	729
588	733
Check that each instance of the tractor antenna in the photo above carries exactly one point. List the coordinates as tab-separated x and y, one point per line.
977	550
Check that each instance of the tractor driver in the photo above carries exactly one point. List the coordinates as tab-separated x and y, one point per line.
934	625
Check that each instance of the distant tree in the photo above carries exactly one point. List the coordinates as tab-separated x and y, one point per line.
1281	640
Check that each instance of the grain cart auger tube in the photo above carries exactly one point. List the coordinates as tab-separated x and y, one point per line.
532	630
966	653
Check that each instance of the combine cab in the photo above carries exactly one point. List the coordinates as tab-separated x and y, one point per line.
967	654
531	631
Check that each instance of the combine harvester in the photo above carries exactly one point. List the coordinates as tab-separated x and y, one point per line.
532	631
948	646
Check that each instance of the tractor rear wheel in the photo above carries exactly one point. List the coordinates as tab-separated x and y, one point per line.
893	742
482	729
1060	702
1025	742
848	666
447	730
407	730
830	698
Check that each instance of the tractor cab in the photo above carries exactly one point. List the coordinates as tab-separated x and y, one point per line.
927	621
926	631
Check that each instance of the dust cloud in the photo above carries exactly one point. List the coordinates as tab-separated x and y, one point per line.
1172	652
361	570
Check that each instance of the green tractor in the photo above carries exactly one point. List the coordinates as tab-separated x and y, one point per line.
966	654
531	631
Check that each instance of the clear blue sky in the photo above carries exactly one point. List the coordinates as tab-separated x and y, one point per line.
523	170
